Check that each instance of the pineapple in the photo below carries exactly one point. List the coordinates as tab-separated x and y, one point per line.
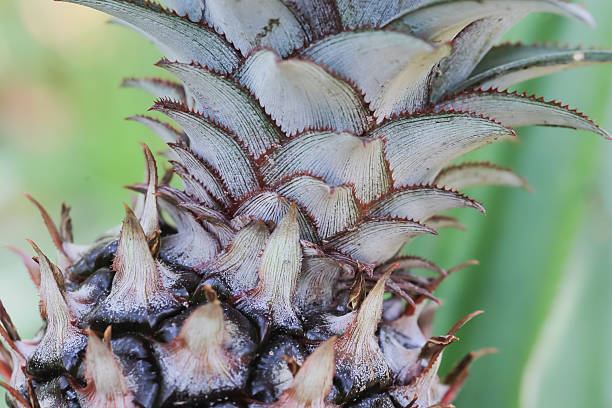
316	140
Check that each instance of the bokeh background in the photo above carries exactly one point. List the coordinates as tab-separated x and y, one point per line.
544	277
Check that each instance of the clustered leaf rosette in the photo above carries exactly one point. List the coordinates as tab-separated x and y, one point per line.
317	138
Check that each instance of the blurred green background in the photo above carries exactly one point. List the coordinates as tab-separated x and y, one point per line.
545	258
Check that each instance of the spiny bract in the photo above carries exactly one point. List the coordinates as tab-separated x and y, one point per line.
316	141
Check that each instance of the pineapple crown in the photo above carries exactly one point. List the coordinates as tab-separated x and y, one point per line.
316	139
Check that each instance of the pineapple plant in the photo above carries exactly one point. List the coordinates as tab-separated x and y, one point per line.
316	139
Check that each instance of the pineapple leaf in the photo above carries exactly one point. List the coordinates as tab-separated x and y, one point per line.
397	85
476	39
192	244
401	340
32	267
300	94
338	158
319	17
376	240
509	64
176	37
164	130
311	293
215	146
12	359
106	384
256	23
420	202
458	374
417	147
360	363
442	20
201	359
359	13
271	206
418	389
228	104
408	262
312	382
139	297
158	87
214	221
333	208
515	110
149	215
195	168
194	188
278	270
469	47
189	8
17	398
468	175
237	264
443	221
63	260
57	350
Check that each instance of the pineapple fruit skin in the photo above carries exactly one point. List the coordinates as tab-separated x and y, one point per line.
150	282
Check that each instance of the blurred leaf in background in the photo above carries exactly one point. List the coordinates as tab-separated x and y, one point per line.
545	258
